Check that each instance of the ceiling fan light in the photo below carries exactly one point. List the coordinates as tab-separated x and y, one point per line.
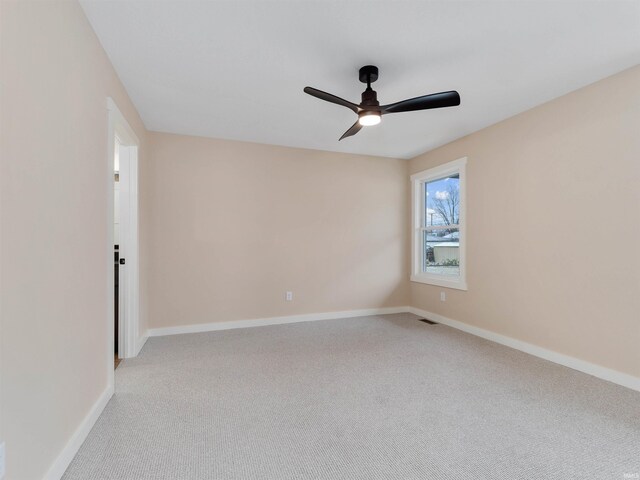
366	119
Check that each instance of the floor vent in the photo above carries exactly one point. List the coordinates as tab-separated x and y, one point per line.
430	322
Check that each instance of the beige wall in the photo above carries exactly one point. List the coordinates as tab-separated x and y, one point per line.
235	225
55	80
553	231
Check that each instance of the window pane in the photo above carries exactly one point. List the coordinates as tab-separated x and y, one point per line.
441	252
442	201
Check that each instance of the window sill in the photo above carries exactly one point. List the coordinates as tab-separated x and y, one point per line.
439	281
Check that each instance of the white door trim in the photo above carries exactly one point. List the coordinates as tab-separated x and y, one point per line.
120	128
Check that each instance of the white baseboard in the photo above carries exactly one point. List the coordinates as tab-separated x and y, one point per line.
140	343
73	445
604	373
261	322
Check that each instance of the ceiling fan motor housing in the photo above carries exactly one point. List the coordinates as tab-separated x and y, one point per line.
369	98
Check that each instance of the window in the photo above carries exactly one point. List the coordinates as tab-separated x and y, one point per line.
438	239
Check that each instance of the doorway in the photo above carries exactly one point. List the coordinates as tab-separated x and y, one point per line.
124	338
116	249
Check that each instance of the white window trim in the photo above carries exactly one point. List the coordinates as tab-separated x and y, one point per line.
417	213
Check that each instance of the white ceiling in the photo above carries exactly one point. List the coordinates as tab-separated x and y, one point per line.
236	69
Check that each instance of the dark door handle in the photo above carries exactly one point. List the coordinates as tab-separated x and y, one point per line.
122	261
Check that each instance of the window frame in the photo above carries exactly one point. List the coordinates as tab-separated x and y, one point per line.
418	180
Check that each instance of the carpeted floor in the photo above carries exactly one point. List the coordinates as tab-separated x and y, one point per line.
381	397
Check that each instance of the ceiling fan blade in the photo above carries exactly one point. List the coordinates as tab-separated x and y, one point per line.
435	100
355	128
327	97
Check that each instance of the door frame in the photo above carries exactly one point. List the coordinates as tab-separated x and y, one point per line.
129	342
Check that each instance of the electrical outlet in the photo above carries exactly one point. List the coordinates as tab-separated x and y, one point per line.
288	296
2	460
443	296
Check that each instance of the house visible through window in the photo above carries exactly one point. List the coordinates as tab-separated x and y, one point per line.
438	226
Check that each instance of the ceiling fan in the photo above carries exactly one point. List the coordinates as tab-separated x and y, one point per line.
370	111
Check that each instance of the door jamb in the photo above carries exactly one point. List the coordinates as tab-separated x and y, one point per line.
118	126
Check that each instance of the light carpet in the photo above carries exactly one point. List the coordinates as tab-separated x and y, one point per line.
380	397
